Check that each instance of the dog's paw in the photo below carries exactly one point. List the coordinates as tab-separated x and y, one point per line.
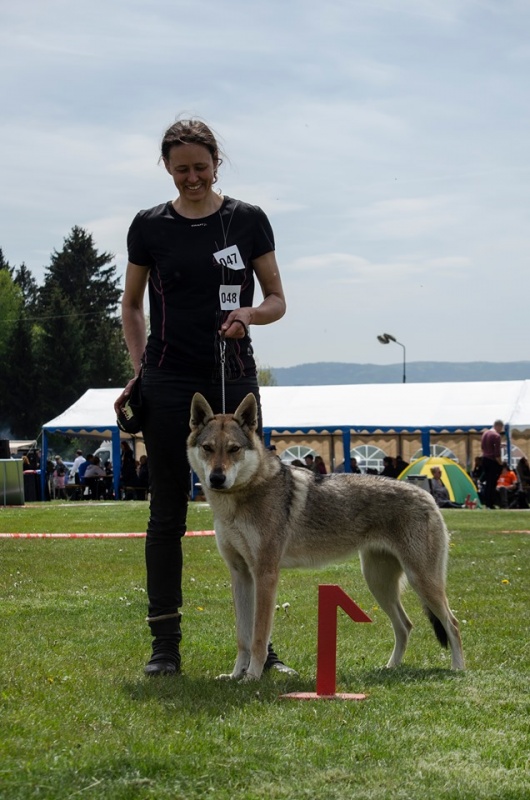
231	676
226	676
248	677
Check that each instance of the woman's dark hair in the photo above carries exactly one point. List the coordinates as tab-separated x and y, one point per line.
191	131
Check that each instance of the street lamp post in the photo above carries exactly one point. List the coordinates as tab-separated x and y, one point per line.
386	338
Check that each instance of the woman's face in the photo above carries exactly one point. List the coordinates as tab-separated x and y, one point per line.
193	170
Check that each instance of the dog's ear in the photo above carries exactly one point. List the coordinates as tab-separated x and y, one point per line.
201	412
246	413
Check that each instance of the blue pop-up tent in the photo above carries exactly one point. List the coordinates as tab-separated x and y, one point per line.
91	415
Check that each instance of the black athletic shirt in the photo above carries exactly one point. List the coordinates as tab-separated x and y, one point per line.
185	280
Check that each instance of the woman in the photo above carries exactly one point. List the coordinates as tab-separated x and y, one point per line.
59	479
320	467
199	255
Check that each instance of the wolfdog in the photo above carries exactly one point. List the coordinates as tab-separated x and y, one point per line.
268	515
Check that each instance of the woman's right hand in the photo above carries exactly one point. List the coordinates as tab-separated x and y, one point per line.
122	399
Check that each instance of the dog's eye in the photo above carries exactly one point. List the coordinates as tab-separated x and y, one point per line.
207	448
234	449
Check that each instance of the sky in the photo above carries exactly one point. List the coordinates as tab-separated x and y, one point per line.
387	140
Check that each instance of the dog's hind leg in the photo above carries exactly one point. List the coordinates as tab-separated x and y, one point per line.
431	591
382	572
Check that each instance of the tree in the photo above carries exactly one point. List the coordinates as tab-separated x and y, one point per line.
5	264
266	377
90	289
21	404
58	340
10	310
59	354
10	307
23	278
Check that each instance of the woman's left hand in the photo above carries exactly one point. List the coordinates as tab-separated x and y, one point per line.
236	324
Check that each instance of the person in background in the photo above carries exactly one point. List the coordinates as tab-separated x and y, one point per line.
389	470
59	478
74	471
128	474
310	462
507	485
94	469
320	467
400	464
143	478
94	472
440	491
200	255
523	474
491	461
83	467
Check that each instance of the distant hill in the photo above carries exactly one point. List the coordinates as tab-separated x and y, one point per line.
329	373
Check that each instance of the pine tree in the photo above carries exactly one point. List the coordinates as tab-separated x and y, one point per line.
88	284
21	399
23	278
59	350
5	264
10	310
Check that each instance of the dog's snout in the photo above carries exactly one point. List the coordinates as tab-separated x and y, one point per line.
217	479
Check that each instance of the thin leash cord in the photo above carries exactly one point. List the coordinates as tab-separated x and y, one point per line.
222	354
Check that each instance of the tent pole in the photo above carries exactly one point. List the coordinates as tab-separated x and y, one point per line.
346	446
43	465
426	442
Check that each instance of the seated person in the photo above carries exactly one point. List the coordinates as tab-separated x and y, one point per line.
354	467
93	473
507	485
389	470
439	490
523	474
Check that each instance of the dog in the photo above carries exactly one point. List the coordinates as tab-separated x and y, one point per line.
268	515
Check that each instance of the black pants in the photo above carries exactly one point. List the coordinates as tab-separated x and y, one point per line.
491	470
166	405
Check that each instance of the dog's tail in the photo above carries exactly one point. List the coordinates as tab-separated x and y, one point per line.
439	630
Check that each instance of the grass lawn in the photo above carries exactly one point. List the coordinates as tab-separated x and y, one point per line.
79	720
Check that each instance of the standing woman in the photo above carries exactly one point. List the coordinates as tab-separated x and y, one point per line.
199	255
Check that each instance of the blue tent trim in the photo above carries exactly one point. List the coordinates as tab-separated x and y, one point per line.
347	430
116	451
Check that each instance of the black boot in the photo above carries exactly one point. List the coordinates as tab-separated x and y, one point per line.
273	662
165	659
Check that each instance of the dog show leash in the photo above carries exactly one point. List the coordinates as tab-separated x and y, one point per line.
222	354
222	358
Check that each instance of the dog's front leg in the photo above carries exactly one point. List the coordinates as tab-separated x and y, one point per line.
266	584
243	595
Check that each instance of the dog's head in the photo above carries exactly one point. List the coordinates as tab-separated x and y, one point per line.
223	449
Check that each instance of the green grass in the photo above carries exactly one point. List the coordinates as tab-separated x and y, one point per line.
78	720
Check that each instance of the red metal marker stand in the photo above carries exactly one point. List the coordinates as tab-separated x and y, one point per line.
330	598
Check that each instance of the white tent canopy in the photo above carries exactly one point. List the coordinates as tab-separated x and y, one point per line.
413	406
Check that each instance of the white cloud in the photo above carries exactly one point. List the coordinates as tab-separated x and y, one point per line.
407	217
